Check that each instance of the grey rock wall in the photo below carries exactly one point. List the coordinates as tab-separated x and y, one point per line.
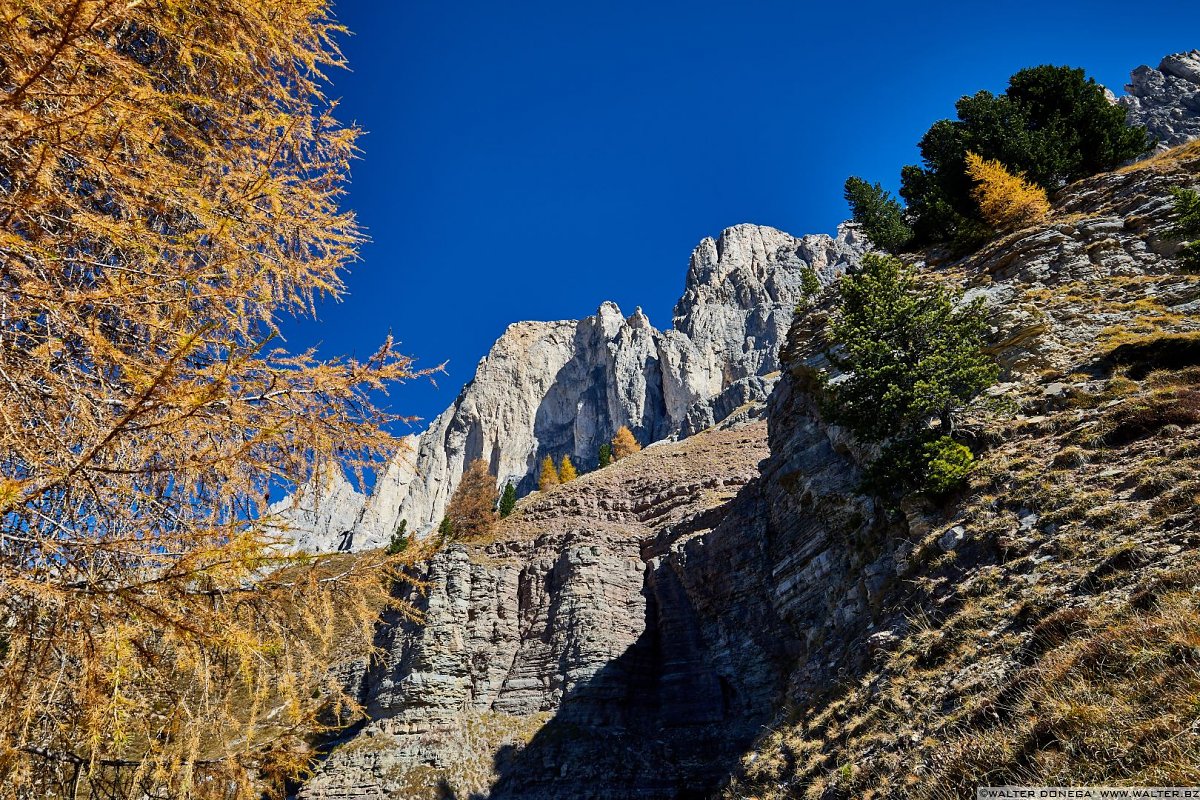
565	387
1166	100
575	656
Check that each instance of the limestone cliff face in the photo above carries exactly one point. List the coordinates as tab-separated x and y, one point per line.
565	387
741	292
1167	100
576	656
728	615
729	610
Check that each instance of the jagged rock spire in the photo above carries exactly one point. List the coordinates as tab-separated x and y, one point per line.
563	388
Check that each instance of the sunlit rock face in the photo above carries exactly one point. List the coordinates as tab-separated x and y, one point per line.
673	623
564	388
640	633
1166	100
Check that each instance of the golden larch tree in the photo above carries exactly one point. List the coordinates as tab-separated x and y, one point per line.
548	477
566	470
170	179
472	508
1005	200
624	443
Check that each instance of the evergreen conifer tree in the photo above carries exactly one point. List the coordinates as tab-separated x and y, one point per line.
1187	227
880	214
508	500
399	541
1053	125
605	455
913	358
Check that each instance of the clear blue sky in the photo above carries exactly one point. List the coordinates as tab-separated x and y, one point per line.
530	160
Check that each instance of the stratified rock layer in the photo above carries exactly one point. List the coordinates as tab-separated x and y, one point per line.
575	656
565	387
705	614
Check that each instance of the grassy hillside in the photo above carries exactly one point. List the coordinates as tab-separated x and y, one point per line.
1045	624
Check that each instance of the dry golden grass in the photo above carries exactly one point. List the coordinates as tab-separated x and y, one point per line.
1063	654
1168	159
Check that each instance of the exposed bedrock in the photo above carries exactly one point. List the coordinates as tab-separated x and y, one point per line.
565	387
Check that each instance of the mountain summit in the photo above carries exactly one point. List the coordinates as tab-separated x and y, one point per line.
564	388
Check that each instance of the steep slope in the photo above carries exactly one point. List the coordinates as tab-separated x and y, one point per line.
565	387
1041	628
695	622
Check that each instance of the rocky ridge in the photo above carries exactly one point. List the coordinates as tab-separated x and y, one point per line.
688	622
1166	100
553	654
565	387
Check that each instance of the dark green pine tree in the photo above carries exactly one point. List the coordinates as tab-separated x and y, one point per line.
445	531
1053	125
508	500
1187	227
880	214
399	541
605	455
913	358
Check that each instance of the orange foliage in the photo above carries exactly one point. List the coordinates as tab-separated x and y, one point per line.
472	508
566	470
549	475
169	184
1005	200
624	443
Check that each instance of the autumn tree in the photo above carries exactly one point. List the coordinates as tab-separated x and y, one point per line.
548	478
624	443
1005	200
566	470
1052	124
472	508
508	499
170	178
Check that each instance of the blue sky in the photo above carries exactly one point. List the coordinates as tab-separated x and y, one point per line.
530	160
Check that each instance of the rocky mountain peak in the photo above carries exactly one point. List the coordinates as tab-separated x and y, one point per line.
742	289
1166	100
563	388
